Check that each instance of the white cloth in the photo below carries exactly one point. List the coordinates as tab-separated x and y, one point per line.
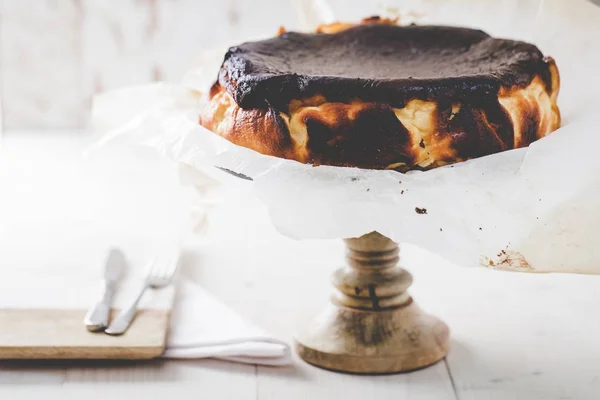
203	327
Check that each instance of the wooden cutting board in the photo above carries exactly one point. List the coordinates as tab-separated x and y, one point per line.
45	295
60	334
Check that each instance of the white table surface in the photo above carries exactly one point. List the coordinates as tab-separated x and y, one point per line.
514	336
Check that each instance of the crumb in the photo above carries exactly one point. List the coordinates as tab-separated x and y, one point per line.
421	210
354	179
402	192
399	181
440	229
480	229
368	190
491	262
515	260
281	31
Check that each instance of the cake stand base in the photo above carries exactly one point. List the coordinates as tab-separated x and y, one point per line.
372	325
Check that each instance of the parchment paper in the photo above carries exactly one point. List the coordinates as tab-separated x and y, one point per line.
533	209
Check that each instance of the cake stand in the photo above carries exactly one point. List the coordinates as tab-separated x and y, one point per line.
372	325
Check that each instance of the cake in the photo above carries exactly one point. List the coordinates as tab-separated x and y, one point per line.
382	96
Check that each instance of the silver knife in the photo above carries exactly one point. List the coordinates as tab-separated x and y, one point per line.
96	318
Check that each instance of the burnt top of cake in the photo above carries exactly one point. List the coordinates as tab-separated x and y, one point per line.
378	62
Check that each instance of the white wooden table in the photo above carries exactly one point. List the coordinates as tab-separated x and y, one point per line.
514	336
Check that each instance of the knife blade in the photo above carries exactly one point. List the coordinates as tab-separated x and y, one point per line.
97	316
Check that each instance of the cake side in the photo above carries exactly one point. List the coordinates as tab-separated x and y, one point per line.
421	135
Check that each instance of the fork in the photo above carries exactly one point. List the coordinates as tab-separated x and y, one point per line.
159	274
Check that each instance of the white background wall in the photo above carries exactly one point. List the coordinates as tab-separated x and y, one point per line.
55	54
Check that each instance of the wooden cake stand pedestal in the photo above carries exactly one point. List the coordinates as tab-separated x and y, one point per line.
372	325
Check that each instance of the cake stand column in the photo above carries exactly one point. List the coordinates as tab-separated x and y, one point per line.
372	325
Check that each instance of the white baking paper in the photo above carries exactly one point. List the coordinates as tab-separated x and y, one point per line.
535	209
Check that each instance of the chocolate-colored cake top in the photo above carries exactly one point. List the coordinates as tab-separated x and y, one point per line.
378	62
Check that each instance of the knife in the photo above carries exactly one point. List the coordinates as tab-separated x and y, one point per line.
97	316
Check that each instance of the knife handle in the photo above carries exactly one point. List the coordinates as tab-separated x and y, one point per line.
97	317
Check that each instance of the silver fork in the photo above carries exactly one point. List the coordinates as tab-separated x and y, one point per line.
160	274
